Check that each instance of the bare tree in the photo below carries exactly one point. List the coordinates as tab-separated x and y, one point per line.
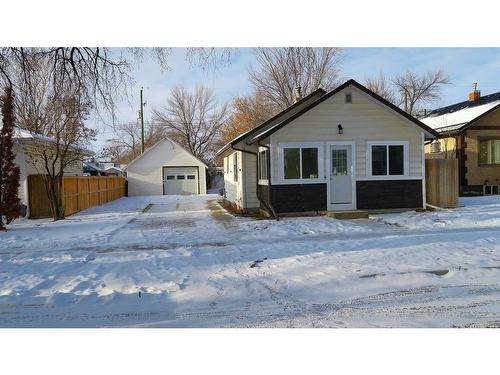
98	75
382	86
126	143
247	112
416	89
55	116
410	90
59	145
281	70
194	119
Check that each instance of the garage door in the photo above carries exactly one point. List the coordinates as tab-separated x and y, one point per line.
180	180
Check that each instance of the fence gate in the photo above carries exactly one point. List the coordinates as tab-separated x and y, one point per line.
78	193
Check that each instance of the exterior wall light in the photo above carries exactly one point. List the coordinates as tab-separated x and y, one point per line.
341	129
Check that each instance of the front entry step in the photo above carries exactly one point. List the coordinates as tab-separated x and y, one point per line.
346	215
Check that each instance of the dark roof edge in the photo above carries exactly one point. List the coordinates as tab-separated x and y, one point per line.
362	88
279	114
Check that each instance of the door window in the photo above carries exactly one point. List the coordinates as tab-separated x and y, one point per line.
339	162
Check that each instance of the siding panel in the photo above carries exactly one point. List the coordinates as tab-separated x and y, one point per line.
363	120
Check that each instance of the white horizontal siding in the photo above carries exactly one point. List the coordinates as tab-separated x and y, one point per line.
362	120
250	177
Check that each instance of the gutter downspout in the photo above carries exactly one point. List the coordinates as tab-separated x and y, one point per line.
269	204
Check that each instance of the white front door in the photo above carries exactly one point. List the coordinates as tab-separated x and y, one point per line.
341	181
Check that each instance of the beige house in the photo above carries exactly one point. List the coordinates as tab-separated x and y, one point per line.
470	132
343	150
26	145
166	169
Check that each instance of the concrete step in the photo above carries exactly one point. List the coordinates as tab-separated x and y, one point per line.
346	215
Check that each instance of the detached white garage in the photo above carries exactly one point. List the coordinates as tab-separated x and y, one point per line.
166	169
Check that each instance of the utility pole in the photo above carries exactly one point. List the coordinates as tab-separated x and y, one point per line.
142	121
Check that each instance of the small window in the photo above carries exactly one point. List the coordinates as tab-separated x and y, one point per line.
263	165
435	147
180	177
235	167
388	160
348	97
292	163
489	151
170	177
300	163
226	161
379	160
191	177
309	162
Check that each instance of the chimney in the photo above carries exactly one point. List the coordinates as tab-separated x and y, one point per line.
475	93
298	94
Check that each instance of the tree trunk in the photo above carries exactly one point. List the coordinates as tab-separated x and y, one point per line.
53	187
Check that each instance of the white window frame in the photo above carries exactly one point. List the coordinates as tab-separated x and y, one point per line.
321	159
485	139
263	181
235	167
406	161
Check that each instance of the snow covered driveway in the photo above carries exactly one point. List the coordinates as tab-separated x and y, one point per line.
185	262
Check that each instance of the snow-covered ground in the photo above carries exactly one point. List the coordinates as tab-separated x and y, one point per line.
185	262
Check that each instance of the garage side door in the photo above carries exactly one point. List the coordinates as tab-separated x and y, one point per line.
180	180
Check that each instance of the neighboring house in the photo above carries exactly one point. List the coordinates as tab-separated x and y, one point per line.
165	169
343	150
102	168
470	132
25	146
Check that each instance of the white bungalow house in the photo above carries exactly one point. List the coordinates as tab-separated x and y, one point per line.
164	169
343	150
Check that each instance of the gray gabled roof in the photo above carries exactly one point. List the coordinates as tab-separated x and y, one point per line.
303	106
278	118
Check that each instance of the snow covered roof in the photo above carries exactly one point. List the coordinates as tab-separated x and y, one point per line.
26	135
456	116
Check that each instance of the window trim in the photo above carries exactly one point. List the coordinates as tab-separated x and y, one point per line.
235	166
406	161
263	181
479	140
321	158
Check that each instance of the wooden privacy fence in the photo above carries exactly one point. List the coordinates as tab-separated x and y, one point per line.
441	182
78	193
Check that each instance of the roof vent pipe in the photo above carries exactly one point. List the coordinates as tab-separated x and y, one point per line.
298	94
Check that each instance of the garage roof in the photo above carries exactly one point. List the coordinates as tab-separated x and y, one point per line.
158	143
